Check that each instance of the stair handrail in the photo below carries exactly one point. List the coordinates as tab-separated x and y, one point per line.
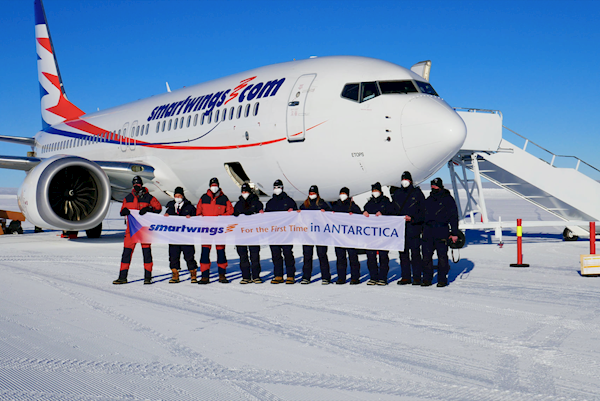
554	156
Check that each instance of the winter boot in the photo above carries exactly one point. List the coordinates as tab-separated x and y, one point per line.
120	281
341	281
382	282
325	281
305	281
290	280
223	279
372	282
257	280
148	281
277	280
404	281
354	281
193	277
204	280
245	281
175	278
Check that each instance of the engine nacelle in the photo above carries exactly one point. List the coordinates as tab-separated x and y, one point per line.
65	193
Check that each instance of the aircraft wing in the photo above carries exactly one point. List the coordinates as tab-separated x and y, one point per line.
120	174
18	140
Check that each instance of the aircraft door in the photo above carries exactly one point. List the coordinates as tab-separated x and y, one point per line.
132	135
296	108
123	138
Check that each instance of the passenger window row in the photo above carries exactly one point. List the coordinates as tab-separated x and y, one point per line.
140	130
213	116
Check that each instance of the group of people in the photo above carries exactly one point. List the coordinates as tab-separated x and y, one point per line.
431	224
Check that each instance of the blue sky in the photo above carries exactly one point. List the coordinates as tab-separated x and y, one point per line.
536	61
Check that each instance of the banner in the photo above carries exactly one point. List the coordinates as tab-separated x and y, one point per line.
309	227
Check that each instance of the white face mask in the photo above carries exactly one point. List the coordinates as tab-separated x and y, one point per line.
214	189
313	197
178	200
405	183
376	194
245	195
277	191
343	197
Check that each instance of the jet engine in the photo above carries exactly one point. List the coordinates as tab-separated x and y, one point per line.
65	193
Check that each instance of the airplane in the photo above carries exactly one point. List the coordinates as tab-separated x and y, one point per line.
332	121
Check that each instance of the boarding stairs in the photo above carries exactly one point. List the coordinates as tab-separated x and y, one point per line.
561	185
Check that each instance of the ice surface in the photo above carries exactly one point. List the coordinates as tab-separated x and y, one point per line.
495	333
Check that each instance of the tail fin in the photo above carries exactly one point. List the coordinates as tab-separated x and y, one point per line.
56	108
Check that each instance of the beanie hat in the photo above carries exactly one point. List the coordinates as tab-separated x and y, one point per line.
314	188
137	180
345	190
246	187
376	186
437	182
278	183
407	176
179	191
212	181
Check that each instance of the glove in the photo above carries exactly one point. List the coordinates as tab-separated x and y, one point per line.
125	212
145	210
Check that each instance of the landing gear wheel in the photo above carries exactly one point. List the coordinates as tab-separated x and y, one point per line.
94	232
569	236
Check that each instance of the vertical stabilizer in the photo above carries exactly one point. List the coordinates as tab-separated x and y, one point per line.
55	106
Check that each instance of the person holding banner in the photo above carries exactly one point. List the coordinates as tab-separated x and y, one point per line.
441	224
346	205
281	202
181	206
248	204
314	202
139	199
409	200
378	205
213	203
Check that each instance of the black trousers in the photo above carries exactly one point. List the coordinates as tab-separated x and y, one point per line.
307	251
250	267
378	272
189	253
411	258
290	263
439	245
342	263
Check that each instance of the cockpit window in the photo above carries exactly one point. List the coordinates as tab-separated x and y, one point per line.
426	88
388	87
369	91
351	91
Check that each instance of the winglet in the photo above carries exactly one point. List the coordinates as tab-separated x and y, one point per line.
56	108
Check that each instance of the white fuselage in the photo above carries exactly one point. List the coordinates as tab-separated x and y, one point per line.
346	143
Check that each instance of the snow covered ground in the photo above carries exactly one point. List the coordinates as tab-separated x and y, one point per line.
495	333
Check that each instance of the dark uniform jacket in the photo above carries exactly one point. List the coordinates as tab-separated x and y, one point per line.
247	206
145	200
186	208
381	204
409	202
347	206
316	204
214	204
441	215
280	203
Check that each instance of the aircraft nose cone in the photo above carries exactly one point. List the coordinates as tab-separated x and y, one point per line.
432	132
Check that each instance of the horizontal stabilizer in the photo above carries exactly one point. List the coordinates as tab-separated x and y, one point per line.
18	139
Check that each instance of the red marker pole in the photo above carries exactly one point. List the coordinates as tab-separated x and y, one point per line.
592	237
519	246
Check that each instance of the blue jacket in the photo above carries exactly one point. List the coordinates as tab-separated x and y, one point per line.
313	205
186	209
381	204
280	203
247	206
441	215
346	206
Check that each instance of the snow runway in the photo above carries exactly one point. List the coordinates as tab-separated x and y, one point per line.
495	333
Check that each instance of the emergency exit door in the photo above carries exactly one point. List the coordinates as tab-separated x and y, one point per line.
296	108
